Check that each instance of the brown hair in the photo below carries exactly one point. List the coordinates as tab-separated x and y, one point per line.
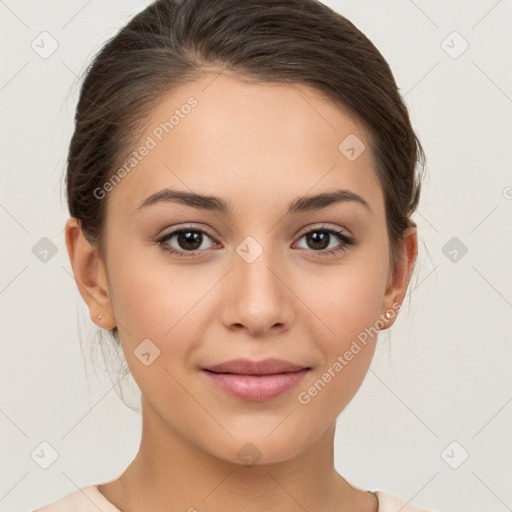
172	42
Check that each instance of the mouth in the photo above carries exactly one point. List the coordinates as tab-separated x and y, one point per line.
256	381
248	367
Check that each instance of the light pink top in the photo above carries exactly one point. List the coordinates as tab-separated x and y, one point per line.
90	499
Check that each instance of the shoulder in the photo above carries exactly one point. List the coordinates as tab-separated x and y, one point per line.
389	503
86	499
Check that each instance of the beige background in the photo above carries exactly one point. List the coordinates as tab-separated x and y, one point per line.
440	384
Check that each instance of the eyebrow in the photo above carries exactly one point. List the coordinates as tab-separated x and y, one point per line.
216	204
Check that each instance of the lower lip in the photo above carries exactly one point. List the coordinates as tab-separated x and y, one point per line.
257	388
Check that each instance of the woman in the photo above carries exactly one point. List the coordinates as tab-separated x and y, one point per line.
241	181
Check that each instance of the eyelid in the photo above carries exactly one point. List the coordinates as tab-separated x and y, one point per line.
326	227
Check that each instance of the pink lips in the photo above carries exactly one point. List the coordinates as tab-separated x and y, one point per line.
256	380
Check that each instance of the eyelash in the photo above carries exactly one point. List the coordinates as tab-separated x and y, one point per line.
347	241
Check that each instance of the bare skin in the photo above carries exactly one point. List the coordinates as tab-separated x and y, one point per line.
259	147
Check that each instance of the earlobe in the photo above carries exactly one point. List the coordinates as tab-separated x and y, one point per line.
90	276
400	276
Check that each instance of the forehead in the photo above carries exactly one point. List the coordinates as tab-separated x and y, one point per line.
247	142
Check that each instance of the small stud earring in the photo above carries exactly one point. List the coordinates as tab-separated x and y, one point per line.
388	315
99	316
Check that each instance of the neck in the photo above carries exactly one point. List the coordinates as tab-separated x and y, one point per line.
170	473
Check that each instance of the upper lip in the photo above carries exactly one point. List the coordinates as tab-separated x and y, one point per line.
248	367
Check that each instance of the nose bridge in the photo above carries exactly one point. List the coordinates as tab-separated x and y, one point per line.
256	263
258	298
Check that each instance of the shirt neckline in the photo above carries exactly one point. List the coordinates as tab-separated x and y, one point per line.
94	492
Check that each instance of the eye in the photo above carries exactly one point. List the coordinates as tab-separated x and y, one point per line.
320	239
188	240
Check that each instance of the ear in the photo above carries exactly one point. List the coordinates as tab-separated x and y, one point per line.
90	276
399	276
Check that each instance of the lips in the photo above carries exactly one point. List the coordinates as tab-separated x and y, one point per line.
248	367
256	381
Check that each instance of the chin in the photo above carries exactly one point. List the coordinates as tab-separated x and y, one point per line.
258	450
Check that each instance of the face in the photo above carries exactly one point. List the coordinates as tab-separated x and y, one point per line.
269	276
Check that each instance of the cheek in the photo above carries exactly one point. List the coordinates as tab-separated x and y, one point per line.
161	304
346	301
346	307
149	299
350	310
153	306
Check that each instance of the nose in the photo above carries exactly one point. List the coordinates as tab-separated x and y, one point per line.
259	295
